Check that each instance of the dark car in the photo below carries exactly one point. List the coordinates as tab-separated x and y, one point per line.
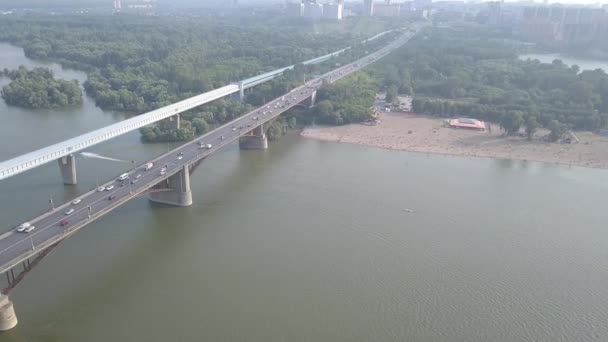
64	223
111	197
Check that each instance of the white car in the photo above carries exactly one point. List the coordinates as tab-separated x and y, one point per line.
209	146
110	187
138	176
233	128
101	188
22	227
69	212
76	201
29	229
180	157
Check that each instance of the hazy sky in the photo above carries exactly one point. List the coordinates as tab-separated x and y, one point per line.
50	3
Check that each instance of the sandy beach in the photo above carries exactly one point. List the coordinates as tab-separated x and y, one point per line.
428	135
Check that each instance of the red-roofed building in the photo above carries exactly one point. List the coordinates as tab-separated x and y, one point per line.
468	123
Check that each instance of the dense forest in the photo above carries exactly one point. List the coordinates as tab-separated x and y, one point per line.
37	88
473	71
139	63
347	101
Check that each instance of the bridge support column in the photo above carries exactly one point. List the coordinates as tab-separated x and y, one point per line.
177	190
313	99
175	121
8	319
256	141
241	92
67	166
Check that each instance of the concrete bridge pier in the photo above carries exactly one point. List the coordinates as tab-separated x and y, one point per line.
313	99
241	92
256	141
175	122
175	190
8	318
67	166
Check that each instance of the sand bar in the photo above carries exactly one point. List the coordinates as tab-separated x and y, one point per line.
428	135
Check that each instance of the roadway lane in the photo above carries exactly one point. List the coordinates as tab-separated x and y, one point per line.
16	247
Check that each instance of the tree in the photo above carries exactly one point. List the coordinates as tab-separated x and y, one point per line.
391	94
512	121
558	130
200	126
531	126
37	88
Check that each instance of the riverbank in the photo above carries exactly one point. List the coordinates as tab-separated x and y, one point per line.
428	135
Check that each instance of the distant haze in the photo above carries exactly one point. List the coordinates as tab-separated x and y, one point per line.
197	3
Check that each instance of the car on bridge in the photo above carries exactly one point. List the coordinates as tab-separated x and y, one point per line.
111	198
29	229
110	187
69	212
101	188
64	223
76	201
22	227
180	156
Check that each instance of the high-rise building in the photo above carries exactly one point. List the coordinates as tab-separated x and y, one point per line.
564	25
368	8
295	9
312	10
333	11
117	6
387	10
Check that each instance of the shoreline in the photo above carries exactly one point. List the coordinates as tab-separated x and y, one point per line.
422	134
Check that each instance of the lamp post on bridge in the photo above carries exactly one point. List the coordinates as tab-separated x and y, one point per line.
51	202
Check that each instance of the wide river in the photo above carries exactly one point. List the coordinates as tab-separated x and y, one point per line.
309	241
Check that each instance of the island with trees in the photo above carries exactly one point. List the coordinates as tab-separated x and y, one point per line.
39	89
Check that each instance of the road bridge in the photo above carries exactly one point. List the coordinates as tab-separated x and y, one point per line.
165	179
64	151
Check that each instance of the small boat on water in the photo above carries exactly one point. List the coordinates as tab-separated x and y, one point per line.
408	210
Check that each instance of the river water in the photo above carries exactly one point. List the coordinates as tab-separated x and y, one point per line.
309	241
584	64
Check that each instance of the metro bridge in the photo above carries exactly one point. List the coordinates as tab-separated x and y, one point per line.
165	179
64	151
